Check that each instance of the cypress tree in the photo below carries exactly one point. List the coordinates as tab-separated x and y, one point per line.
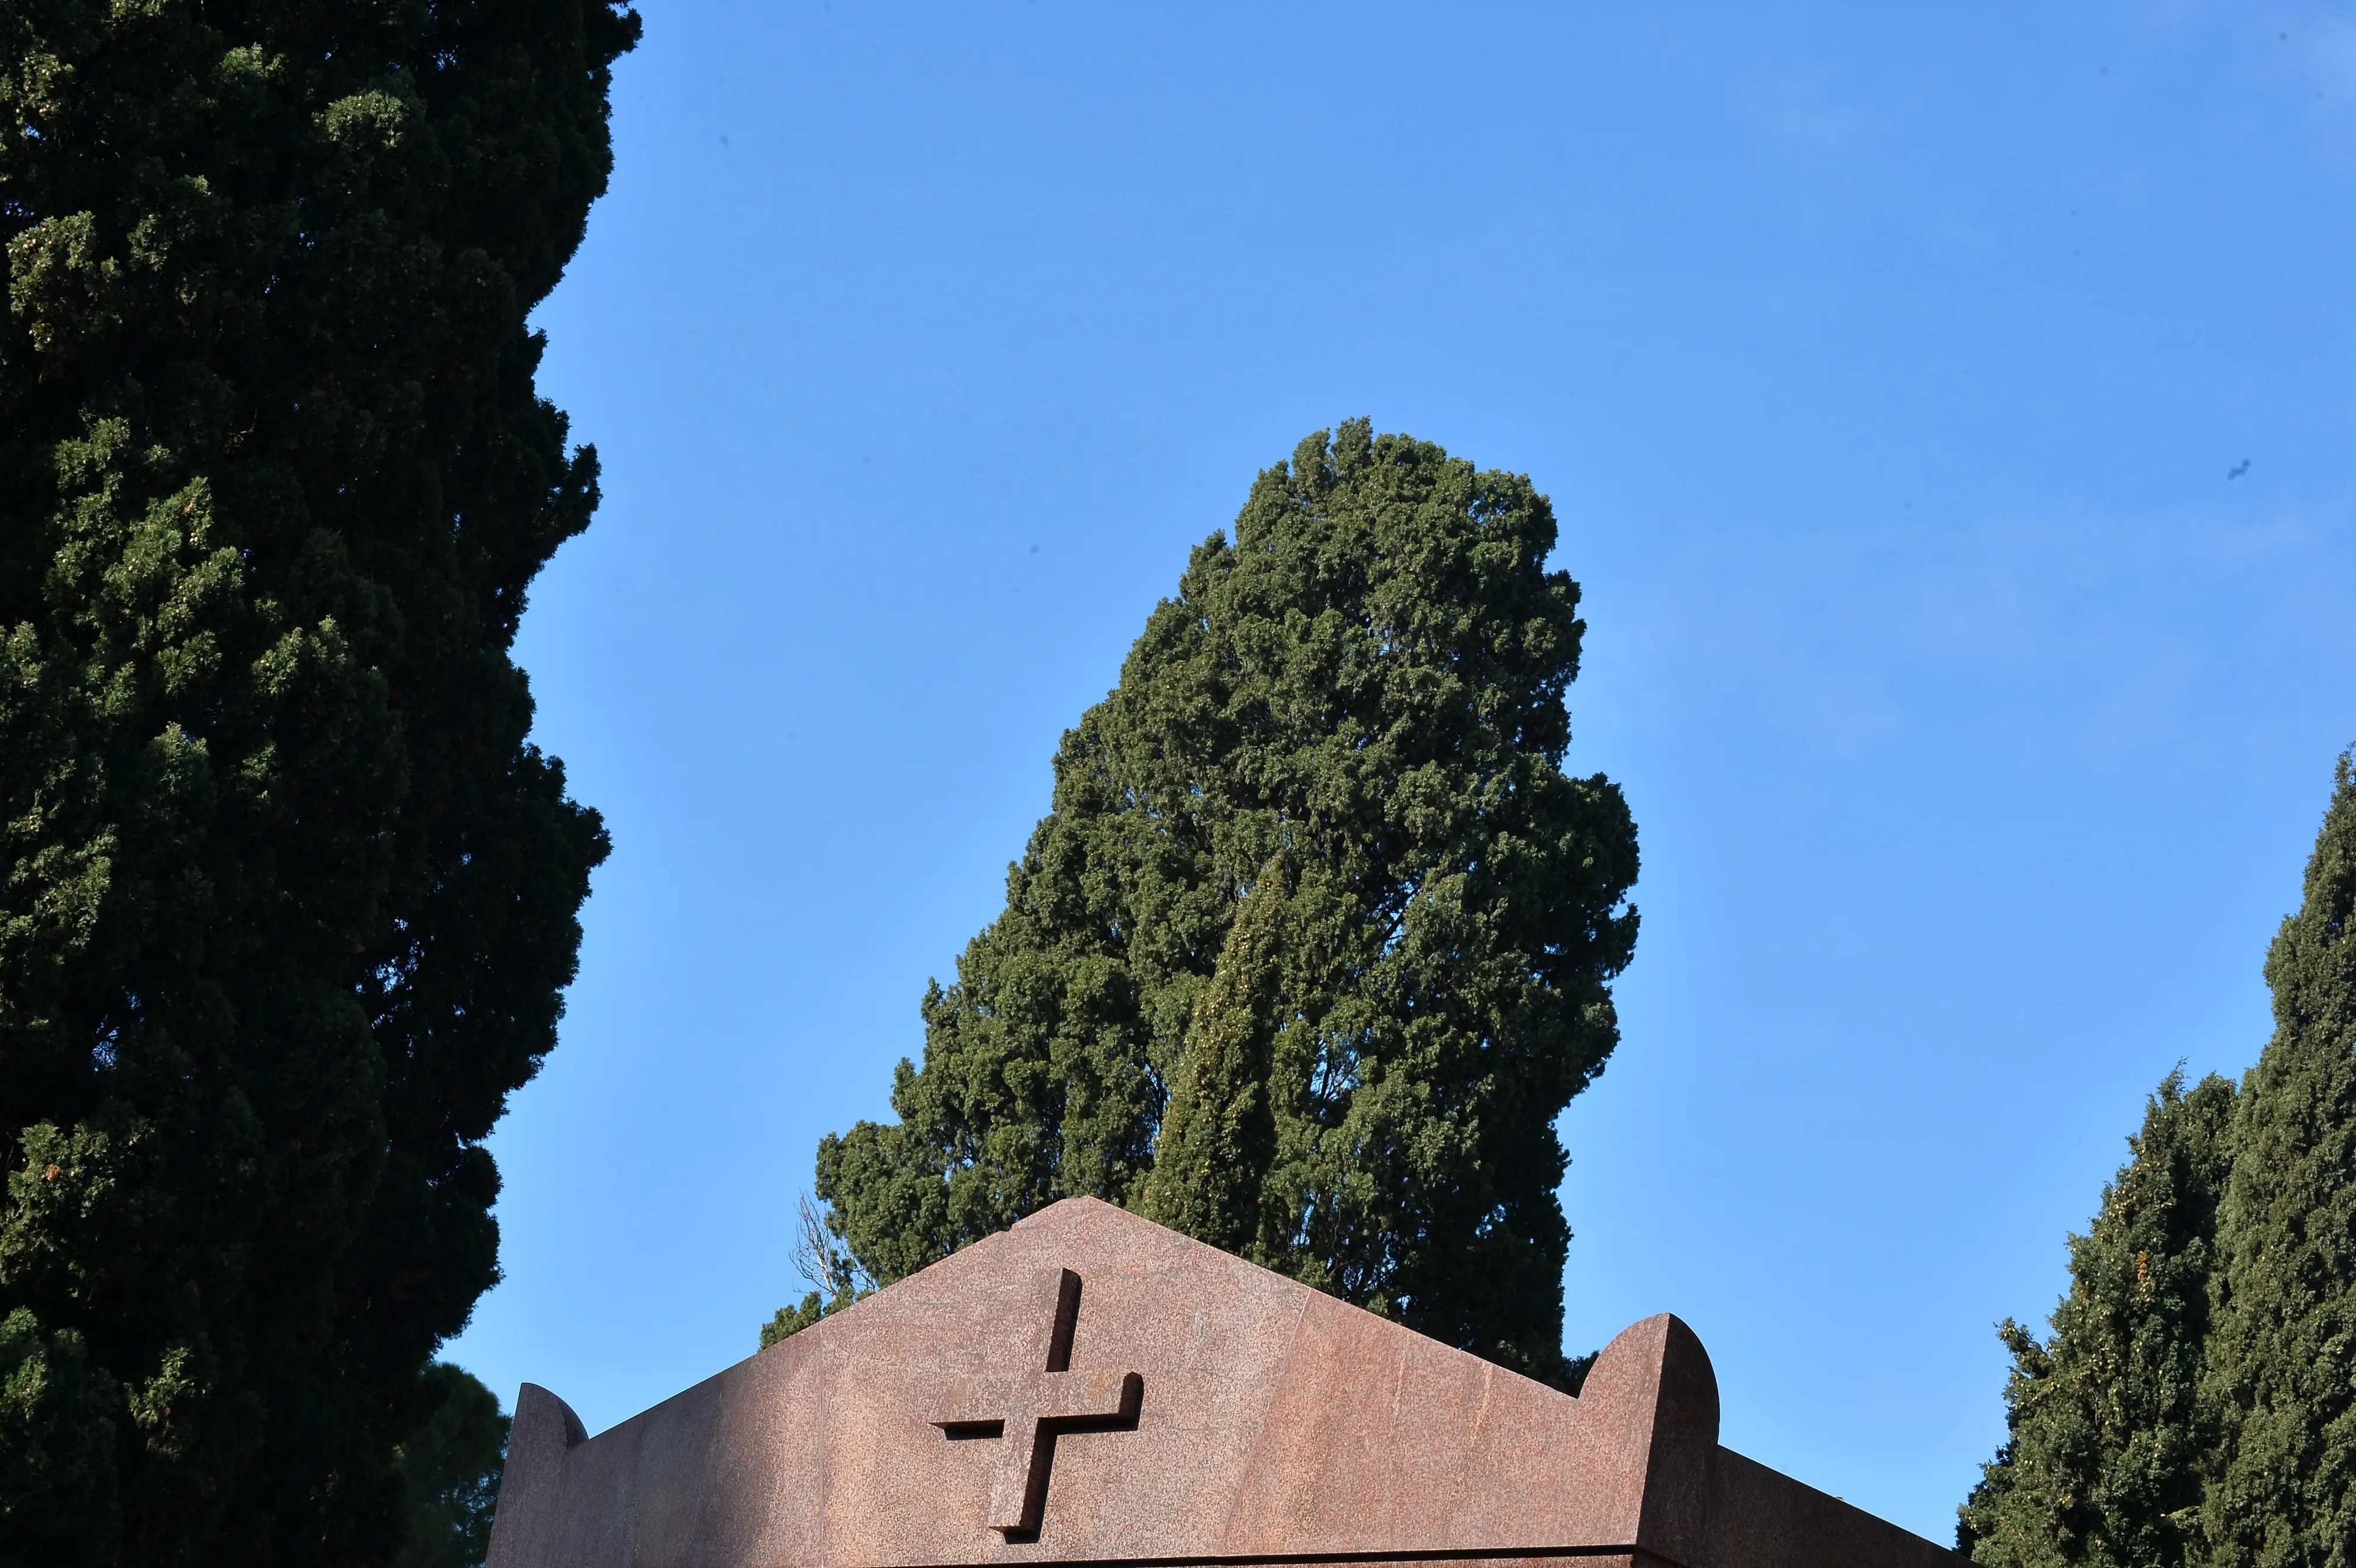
287	899
2281	1370
1218	1138
1316	900
2106	1433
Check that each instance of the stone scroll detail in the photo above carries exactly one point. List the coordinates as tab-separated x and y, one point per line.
1043	1397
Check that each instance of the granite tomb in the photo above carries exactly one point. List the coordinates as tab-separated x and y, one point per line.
1091	1388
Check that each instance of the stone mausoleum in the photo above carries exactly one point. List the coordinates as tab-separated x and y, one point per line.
1090	1388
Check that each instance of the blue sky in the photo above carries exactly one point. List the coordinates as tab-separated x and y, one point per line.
1886	365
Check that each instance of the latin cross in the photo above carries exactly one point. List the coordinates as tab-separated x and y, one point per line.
1045	1396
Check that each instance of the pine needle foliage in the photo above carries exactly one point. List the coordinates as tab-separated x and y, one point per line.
2283	1366
2103	1464
1316	917
287	899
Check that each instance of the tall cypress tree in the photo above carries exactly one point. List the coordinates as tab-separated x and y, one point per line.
1315	902
1218	1140
2107	1436
2282	1366
287	899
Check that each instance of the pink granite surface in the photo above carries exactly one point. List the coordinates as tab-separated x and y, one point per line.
1090	1387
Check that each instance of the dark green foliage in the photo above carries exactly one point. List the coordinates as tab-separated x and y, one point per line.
2103	1466
449	1472
286	900
1348	725
788	1321
56	1450
2196	1404
1218	1137
2283	1363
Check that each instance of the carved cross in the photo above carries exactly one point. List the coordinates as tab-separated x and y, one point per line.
1045	1396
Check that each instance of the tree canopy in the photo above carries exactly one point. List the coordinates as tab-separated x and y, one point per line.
1314	943
287	898
2282	1366
2101	1465
450	1467
2196	1402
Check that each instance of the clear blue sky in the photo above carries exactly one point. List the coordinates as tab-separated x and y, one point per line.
1886	365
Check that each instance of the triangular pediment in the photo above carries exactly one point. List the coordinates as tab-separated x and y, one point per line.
1091	1387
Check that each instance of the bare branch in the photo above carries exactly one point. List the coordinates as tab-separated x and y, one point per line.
819	1259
